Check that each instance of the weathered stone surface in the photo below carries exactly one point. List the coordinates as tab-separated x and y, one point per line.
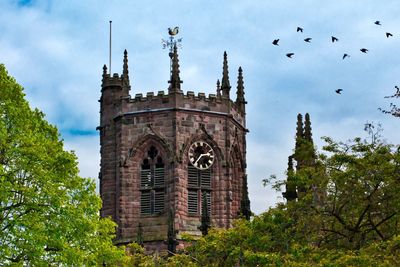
170	123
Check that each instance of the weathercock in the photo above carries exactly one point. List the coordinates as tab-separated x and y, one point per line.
174	31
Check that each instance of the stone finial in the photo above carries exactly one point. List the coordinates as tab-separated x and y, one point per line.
290	193
290	164
307	128
175	81
225	85
240	101
104	71
299	139
218	89
299	128
304	152
205	216
125	71
104	75
310	150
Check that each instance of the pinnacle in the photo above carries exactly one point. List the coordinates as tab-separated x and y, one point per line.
175	81
225	85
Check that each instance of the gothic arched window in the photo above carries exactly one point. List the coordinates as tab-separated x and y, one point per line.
199	184
152	183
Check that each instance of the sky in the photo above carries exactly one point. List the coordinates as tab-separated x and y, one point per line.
56	51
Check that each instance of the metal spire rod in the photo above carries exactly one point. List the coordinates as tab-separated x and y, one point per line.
110	50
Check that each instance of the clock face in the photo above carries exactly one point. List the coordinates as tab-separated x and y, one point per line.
201	155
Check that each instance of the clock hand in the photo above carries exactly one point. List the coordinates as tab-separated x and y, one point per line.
201	155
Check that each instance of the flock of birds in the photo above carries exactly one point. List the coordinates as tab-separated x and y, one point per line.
333	39
394	109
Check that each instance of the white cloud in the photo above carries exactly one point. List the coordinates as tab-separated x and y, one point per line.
86	148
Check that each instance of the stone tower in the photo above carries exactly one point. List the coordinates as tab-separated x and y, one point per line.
169	158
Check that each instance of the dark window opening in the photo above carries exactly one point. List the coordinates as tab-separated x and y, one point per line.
199	182
152	184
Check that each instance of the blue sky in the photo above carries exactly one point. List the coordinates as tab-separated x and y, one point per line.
56	50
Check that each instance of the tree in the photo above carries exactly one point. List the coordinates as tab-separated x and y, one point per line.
362	193
348	214
48	214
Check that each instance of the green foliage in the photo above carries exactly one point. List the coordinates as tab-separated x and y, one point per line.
351	195
48	214
361	194
212	251
348	215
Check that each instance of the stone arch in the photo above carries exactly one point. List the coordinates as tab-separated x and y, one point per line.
148	140
138	153
217	199
129	184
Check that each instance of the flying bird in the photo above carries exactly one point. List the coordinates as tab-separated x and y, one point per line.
299	29
308	40
388	34
345	55
173	31
334	39
384	111
377	22
339	91
397	91
290	55
275	42
397	94
364	50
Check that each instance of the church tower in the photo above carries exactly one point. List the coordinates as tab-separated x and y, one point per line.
171	163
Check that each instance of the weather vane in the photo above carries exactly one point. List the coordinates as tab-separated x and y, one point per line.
172	42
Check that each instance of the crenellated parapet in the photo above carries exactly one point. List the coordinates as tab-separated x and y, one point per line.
175	97
112	81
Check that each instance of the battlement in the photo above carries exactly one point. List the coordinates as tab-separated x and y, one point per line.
115	80
188	101
151	96
121	100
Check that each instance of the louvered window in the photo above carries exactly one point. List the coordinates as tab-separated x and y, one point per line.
199	181
145	202
193	176
208	197
193	201
159	174
152	184
145	176
205	179
159	201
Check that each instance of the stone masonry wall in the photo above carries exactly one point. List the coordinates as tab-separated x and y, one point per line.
129	126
